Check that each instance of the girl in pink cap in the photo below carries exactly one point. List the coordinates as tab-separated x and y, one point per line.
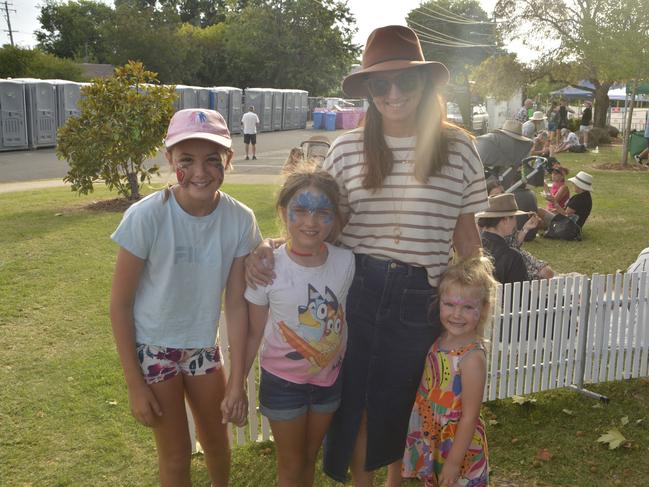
180	248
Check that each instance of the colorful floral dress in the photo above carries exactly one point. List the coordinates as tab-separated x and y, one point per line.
434	420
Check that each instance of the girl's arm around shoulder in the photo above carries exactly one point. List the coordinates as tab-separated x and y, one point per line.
235	405
126	279
473	369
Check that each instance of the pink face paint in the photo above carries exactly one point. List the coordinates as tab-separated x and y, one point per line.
180	176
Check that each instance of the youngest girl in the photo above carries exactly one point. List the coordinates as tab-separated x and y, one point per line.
295	158
446	443
301	316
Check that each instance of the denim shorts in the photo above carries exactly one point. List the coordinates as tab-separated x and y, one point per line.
390	332
162	363
283	400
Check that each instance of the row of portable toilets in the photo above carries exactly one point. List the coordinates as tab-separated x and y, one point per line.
31	110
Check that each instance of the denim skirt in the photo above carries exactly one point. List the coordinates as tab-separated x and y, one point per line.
390	333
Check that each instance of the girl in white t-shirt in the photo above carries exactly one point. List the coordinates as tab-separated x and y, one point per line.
179	249
301	316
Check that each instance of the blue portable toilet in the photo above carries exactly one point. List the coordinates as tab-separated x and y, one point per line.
13	116
318	120
330	121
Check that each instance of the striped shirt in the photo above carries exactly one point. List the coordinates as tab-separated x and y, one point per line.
406	220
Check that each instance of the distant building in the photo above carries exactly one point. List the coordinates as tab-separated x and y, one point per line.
97	70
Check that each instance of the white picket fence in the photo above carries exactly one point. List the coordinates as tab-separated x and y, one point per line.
565	332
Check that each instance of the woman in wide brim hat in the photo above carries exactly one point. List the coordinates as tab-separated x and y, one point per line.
413	183
410	184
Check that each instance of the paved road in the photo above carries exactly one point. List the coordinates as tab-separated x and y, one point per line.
23	170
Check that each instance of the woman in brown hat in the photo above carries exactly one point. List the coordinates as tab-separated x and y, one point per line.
410	184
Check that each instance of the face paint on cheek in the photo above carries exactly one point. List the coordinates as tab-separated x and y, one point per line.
180	175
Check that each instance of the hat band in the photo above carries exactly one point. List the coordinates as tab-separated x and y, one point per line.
501	211
582	181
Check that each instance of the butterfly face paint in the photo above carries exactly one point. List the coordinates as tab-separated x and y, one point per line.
180	176
460	310
310	202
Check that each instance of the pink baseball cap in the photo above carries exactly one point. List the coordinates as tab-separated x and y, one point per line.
196	123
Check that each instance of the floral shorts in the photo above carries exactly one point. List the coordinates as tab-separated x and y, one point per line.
161	363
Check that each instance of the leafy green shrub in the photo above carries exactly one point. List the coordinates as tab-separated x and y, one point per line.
122	123
598	136
16	62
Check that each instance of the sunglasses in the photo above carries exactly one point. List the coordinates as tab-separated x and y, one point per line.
407	82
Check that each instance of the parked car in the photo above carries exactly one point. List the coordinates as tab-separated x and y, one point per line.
480	122
480	119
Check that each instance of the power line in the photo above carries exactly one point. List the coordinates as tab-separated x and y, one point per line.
439	38
448	16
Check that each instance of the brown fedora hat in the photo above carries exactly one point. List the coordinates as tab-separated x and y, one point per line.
501	205
391	48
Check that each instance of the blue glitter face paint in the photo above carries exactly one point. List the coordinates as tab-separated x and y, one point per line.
310	203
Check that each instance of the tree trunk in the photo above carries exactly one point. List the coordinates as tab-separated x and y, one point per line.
134	185
627	124
601	105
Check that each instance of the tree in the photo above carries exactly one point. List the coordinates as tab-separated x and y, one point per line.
599	38
499	76
122	122
75	29
18	62
457	33
290	44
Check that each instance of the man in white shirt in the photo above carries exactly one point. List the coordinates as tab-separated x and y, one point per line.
250	121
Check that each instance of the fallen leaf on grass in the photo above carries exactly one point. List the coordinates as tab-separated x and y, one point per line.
568	412
544	455
613	437
580	433
111	403
492	422
639	421
522	400
624	420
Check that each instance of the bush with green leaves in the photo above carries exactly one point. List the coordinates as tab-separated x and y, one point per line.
122	123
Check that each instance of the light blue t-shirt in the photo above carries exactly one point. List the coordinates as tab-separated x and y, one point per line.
187	262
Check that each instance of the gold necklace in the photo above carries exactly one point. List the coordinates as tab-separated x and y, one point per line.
396	230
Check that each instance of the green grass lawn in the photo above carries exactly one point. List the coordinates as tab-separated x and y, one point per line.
64	417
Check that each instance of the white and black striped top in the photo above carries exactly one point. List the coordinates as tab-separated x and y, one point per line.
424	214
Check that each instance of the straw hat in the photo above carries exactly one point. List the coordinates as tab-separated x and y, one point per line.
513	129
582	180
538	116
501	205
391	48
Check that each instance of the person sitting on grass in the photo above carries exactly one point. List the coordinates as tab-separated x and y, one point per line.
541	146
558	194
497	223
569	142
536	268
579	205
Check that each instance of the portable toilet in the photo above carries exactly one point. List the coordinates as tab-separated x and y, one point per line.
202	97
262	100
13	116
40	102
289	110
298	109
235	109
220	101
304	109
278	107
68	95
187	97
